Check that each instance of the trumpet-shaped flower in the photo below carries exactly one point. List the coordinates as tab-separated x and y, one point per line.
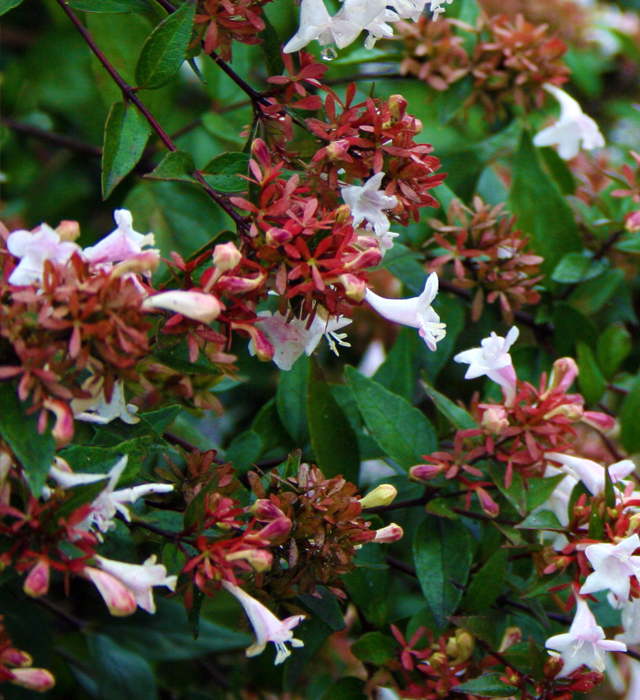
572	130
99	410
590	473
584	643
34	248
630	621
120	244
368	203
494	361
613	566
415	312
316	23
266	626
194	305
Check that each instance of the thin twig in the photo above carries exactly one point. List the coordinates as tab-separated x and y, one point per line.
63	614
85	149
401	566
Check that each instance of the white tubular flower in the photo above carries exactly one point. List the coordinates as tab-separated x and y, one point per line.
139	579
291	338
99	410
316	23
436	7
34	248
584	643
368	202
494	361
266	625
415	312
120	244
590	473
630	621
613	566
194	305
573	130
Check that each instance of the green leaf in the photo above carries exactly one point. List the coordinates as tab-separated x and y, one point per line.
244	451
401	430
577	267
541	209
274	436
368	585
486	585
223	172
403	264
630	419
571	326
164	51
458	417
325	607
6	5
589	297
596	525
34	451
590	380
442	556
375	648
176	165
312	633
396	373
541	520
119	672
87	459
488	685
79	495
291	400
270	46
614	346
515	494
174	352
110	6
346	688
558	169
441	508
540	489
480	627
125	136
334	441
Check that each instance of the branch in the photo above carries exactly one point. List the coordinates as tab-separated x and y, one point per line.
401	566
85	149
129	94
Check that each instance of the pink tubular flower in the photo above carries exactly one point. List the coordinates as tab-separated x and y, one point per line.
37	582
121	244
38	679
119	599
266	625
415	312
390	533
584	643
494	361
613	566
194	305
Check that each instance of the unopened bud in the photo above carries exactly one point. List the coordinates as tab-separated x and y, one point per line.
354	287
38	679
390	533
15	657
495	420
336	149
632	221
599	421
382	495
276	529
553	666
512	635
226	256
194	305
239	285
68	230
277	236
425	472
489	506
397	107
37	582
342	213
119	599
366	259
460	647
265	511
572	411
438	660
564	373
259	559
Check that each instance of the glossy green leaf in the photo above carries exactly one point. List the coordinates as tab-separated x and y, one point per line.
541	520
291	400
313	632
590	380
176	165
401	430
542	211
120	673
571	326
442	556
276	441
164	51
630	419
6	5
614	346
577	267
334	441
34	451
244	451
375	648
368	585
486	585
125	136
540	489
458	417
515	493
488	685
396	373
223	172
558	169
481	627
111	6
271	45
589	297
405	265
325	606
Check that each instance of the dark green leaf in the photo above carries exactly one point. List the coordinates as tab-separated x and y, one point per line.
403	263
541	520
88	459
110	6
176	165
539	490
589	297
347	688
515	494
6	5
596	525
590	380
312	633
577	267
481	627
34	451
458	417
291	400
174	352
79	495
244	451
223	172
442	556
325	607
486	585
396	372
450	101
164	51
442	508
487	686
609	492
120	673
552	227
274	436
375	648
614	346
401	430
271	45
559	170
334	441
571	326
630	419
368	585
193	613
125	137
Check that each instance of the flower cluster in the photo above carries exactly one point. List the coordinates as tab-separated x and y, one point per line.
488	256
